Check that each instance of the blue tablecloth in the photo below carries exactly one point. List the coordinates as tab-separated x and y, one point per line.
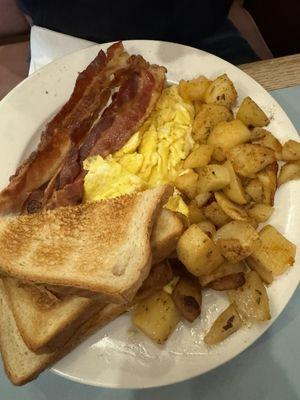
268	370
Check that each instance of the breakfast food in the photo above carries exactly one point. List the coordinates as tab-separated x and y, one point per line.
145	204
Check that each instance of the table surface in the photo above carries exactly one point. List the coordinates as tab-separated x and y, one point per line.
268	370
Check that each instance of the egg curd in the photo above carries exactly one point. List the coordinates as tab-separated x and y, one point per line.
153	156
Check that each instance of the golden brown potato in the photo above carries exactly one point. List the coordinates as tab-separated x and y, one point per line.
195	213
260	212
219	154
234	211
225	325
194	89
262	271
199	157
275	253
247	159
265	138
228	282
215	214
188	298
255	189
236	240
212	177
234	191
157	316
291	151
207	117
226	135
198	252
251	114
202	198
268	179
221	91
222	271
251	300
207	227
289	172
187	184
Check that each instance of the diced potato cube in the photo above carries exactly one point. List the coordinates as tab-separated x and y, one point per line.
260	212
234	191
255	189
291	151
226	135
187	184
234	211
157	316
215	214
207	227
194	89
275	252
207	117
224	269
251	300
265	138
202	198
219	154
236	240
188	298
288	172
225	325
221	91
195	213
251	114
268	179
199	157
198	252
212	177
228	282
262	271
248	159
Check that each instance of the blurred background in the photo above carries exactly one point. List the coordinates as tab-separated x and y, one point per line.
270	27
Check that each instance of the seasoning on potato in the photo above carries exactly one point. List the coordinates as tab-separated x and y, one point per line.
188	299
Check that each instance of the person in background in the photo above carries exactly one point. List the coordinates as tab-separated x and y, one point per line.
198	23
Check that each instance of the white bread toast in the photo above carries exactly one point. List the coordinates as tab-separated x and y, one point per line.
101	247
23	365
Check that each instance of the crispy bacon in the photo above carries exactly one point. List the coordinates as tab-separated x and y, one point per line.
90	95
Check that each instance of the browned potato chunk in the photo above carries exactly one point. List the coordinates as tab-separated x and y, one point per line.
228	282
251	114
157	316
194	89
225	325
187	184
188	299
236	240
234	191
226	135
221	91
234	211
260	212
255	189
202	198
268	179
195	213
248	159
207	227
215	213
212	177
198	252
291	151
199	157
265	138
289	172
223	270
262	271
160	275
219	154
275	253
251	300
207	117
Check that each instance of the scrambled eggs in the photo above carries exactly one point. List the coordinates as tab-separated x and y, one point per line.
153	156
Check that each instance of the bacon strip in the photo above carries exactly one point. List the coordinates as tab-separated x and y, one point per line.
90	95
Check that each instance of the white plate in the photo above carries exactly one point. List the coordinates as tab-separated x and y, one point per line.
112	357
